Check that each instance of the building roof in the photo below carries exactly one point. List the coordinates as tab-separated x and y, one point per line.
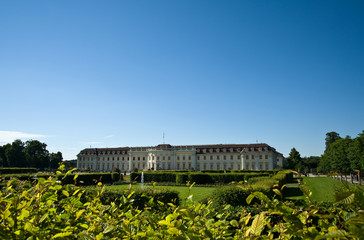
216	148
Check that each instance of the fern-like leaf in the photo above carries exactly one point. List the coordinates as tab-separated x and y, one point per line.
257	226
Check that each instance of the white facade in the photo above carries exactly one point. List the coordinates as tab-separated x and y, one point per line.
167	157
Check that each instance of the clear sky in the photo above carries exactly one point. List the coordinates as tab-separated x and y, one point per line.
75	74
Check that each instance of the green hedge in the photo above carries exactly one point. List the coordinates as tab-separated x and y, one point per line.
140	197
84	179
198	177
17	170
154	176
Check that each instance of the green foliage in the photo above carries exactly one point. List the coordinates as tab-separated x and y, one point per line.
47	209
32	153
181	178
13	170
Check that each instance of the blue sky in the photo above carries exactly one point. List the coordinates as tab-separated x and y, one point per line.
75	74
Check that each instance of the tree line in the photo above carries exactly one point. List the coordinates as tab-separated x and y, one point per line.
341	155
32	153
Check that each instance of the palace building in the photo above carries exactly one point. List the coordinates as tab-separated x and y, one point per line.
258	156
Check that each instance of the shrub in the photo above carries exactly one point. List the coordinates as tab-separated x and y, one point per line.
181	178
200	178
17	170
232	195
141	197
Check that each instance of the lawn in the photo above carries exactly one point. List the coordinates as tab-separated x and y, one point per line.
323	188
197	192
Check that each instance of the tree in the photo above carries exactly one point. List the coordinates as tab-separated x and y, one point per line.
36	154
356	153
15	154
3	158
294	160
55	159
337	153
331	137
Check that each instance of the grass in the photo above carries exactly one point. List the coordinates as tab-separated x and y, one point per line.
323	188
198	192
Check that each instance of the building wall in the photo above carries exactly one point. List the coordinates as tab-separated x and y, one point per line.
167	157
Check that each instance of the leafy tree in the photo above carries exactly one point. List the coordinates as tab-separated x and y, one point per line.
15	154
356	153
294	160
3	158
338	155
36	154
331	137
55	159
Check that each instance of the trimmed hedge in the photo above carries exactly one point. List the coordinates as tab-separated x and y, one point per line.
17	170
197	177
84	179
140	197
154	176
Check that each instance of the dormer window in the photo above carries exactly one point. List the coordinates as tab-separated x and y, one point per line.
211	150
231	149
224	150
218	150
204	150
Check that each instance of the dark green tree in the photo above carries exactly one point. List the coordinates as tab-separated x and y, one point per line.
356	153
331	137
55	159
294	160
36	154
3	158
337	153
15	154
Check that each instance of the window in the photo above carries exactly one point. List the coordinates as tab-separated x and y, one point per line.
231	157
177	157
218	166
183	158
198	157
204	157
260	157
184	166
138	158
169	158
266	156
247	156
224	157
211	166
189	165
204	166
210	157
252	156
218	157
189	157
164	158
177	166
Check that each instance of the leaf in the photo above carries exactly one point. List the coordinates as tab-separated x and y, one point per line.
108	229
65	193
62	234
234	223
257	225
79	213
344	198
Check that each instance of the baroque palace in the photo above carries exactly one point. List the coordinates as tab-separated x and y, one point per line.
167	157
